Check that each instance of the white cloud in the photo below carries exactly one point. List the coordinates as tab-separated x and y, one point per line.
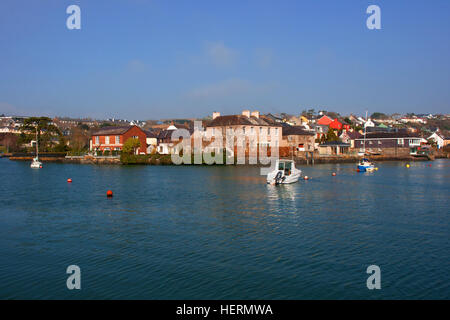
221	89
136	65
220	55
9	109
264	58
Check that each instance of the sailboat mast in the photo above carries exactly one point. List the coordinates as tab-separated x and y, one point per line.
37	148
365	126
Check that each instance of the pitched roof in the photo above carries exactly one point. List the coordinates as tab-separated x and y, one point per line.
325	120
237	120
334	143
296	130
150	134
387	135
353	134
112	130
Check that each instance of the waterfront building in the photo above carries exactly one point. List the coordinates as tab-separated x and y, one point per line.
438	138
266	129
298	139
164	140
113	138
334	148
349	137
152	141
389	143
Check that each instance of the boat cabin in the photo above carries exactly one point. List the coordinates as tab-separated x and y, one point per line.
285	166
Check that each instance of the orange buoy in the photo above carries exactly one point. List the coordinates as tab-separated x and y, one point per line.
69	180
109	193
305	177
333	174
357	170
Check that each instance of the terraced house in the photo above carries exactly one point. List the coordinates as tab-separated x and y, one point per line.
266	132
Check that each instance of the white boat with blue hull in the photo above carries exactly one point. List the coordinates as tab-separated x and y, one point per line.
285	172
366	165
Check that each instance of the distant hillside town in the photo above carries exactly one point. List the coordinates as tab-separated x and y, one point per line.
307	134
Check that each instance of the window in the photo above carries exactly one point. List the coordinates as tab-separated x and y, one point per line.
97	140
107	140
400	141
213	131
243	130
135	137
268	131
251	130
117	139
276	131
260	130
379	141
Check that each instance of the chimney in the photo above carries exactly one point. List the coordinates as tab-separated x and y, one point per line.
216	114
246	113
255	114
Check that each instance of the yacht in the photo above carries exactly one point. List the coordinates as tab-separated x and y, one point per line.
36	164
365	164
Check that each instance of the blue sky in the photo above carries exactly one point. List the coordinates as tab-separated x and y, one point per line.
138	59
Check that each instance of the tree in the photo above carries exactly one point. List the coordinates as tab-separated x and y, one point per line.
379	115
78	139
9	140
131	145
331	135
45	130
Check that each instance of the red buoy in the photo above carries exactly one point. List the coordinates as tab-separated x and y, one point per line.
306	178
333	174
69	180
357	170
109	193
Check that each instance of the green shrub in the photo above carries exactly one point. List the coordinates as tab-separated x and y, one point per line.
126	158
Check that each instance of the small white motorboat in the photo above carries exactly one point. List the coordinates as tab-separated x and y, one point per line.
285	172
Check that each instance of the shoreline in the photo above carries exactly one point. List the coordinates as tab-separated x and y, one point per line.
300	161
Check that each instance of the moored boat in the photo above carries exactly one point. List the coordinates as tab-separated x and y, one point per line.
36	164
285	172
366	165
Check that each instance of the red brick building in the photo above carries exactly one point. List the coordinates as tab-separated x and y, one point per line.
113	138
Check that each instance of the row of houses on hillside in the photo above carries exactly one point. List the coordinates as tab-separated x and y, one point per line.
248	123
276	132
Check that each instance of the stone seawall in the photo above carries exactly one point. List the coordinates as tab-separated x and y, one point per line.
92	160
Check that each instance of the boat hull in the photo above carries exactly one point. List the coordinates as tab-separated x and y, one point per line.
366	168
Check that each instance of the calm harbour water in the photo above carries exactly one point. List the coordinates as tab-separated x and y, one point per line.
199	232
